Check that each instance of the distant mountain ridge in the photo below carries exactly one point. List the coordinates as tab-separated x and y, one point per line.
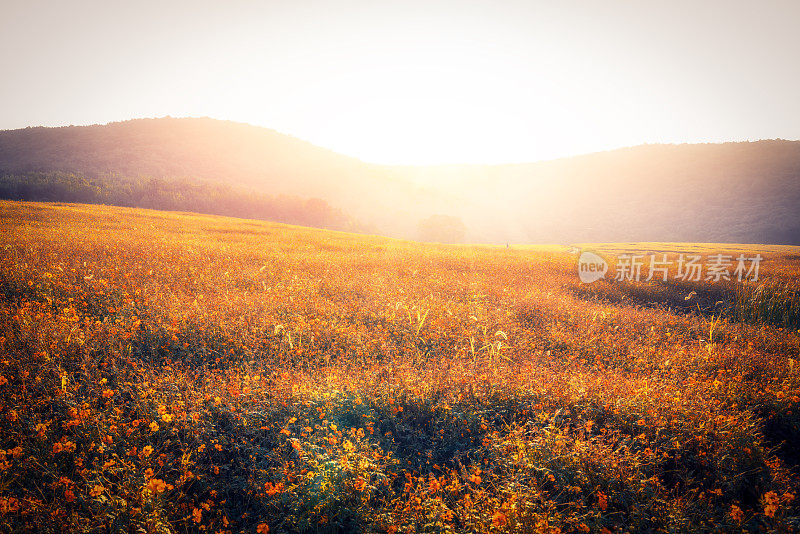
729	192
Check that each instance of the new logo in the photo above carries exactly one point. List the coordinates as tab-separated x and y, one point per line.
591	267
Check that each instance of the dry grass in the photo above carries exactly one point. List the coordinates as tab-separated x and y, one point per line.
165	372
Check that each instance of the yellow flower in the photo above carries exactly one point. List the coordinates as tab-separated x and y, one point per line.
154	427
147	451
167	418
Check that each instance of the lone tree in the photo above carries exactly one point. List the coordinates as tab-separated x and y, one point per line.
442	229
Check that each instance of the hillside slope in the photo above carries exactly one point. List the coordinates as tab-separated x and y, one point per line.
731	192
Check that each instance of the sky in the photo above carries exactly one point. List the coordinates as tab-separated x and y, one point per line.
415	82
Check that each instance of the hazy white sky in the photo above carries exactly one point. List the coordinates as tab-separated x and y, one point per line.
415	81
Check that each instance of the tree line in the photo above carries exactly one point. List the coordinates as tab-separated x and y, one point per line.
178	194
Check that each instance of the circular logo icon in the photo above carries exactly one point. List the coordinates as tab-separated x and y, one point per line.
591	267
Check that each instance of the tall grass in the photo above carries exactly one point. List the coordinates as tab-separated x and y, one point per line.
775	303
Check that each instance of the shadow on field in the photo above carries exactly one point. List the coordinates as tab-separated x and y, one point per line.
772	303
676	296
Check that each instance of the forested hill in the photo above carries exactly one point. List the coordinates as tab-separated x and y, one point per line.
729	192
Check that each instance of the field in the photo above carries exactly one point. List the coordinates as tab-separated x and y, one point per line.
167	372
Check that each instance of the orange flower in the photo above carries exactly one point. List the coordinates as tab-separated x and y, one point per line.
97	490
736	513
108	393
69	495
602	500
770	501
197	515
63	446
154	427
262	528
499	519
156	485
271	489
147	451
360	483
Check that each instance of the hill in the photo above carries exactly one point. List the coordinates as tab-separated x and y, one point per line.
731	192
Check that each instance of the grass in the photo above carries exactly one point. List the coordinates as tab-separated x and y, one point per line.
776	303
166	372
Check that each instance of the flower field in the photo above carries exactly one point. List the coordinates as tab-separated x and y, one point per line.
166	372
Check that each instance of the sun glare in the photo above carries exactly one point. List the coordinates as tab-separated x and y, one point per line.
417	82
454	102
